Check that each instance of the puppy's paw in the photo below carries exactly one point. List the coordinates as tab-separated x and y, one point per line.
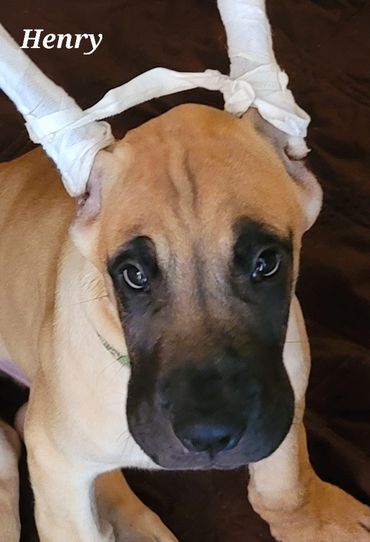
143	526
330	515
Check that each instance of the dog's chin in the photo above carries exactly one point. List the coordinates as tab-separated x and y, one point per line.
158	441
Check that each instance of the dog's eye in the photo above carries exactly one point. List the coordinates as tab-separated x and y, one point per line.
267	264
135	277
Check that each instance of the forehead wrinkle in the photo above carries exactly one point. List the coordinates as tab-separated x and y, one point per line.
191	177
184	183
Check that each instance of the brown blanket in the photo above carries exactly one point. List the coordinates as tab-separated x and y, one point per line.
324	45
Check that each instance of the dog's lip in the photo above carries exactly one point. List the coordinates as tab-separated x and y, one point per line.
183	459
198	461
205	458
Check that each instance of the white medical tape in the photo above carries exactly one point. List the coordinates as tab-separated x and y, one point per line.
72	137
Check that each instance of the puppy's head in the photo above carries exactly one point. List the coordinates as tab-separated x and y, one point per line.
194	222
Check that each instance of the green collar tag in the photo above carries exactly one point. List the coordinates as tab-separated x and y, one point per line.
121	358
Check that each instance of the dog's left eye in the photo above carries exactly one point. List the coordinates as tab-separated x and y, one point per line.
266	265
135	277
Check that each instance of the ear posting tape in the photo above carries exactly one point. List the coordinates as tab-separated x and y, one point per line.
72	137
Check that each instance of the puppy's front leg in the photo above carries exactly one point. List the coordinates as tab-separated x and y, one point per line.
298	506
9	484
131	519
63	490
284	489
62	482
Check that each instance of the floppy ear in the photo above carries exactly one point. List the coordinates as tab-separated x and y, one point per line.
292	151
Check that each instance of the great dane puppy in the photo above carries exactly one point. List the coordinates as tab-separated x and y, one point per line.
158	325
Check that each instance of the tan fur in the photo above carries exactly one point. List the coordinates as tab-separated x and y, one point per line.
9	483
191	171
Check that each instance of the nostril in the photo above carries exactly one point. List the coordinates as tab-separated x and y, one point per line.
199	445
193	444
209	438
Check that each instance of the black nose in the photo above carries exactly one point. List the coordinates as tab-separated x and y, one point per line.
209	437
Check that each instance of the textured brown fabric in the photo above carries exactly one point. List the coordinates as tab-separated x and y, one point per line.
324	45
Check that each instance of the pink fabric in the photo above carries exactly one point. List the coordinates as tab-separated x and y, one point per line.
15	372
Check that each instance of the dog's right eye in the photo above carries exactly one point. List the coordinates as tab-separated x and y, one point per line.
134	268
134	276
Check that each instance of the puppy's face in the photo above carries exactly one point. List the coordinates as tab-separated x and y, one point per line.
199	233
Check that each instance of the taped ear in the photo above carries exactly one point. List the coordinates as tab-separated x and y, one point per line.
93	209
89	204
292	151
86	227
